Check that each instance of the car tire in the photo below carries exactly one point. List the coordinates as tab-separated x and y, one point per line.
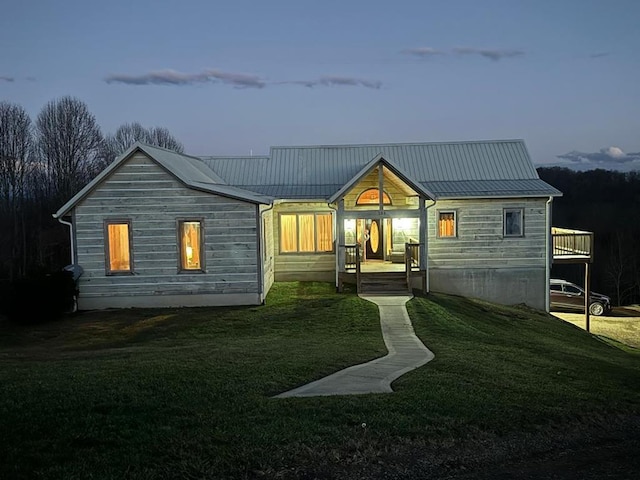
596	308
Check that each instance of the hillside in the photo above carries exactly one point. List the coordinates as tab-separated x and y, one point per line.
186	393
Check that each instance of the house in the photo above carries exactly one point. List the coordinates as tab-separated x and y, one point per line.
158	228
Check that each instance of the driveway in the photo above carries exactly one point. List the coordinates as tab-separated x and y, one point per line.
623	324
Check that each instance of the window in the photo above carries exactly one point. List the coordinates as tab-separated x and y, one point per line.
190	233
118	246
306	233
572	290
447	224
372	197
513	222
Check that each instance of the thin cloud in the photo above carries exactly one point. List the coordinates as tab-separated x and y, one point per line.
172	77
5	78
491	54
333	81
599	54
237	80
422	52
609	155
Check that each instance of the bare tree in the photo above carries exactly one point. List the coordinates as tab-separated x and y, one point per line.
68	141
129	133
161	137
15	147
621	266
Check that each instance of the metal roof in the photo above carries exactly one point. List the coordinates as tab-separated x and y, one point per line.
309	171
190	170
533	187
492	168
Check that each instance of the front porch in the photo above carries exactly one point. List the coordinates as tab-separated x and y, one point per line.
381	230
382	276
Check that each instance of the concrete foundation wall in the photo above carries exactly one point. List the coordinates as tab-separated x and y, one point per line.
160	301
507	286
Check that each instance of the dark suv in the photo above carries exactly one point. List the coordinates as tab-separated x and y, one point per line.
569	296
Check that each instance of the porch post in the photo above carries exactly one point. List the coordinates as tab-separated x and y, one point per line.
380	188
587	294
339	244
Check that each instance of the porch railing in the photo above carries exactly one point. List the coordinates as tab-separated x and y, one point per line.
352	262
568	243
412	260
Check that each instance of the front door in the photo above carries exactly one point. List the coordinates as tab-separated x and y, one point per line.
374	247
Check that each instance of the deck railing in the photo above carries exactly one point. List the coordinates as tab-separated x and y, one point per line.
412	256
571	244
352	262
351	258
412	260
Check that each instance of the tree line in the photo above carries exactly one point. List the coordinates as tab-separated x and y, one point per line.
43	163
606	203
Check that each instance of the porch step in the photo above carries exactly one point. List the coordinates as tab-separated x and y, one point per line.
389	283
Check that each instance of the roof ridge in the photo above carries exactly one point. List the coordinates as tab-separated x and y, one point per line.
225	157
353	145
168	150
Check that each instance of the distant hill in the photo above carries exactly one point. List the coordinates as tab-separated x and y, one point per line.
584	167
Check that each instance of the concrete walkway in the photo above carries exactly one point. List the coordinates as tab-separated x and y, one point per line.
406	352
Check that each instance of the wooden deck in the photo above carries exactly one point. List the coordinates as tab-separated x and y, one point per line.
571	246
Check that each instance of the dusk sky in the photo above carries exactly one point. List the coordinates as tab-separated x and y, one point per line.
236	77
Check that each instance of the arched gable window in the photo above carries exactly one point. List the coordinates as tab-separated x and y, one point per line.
372	197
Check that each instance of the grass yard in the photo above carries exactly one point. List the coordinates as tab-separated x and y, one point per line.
185	393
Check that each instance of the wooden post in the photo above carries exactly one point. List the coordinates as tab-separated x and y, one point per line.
587	293
358	277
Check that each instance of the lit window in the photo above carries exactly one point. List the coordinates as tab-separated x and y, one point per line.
306	233
324	233
372	197
118	247
190	245
513	222
447	224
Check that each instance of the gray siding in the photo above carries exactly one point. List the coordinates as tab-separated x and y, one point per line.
480	241
154	200
480	262
301	266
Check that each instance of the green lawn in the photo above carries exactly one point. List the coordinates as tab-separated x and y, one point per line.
185	393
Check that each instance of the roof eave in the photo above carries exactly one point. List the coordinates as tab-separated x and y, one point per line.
232	192
480	197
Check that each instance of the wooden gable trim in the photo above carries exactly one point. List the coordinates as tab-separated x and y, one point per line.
369	167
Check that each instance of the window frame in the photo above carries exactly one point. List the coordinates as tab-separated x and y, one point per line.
179	223
505	211
315	233
455	223
368	204
107	245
